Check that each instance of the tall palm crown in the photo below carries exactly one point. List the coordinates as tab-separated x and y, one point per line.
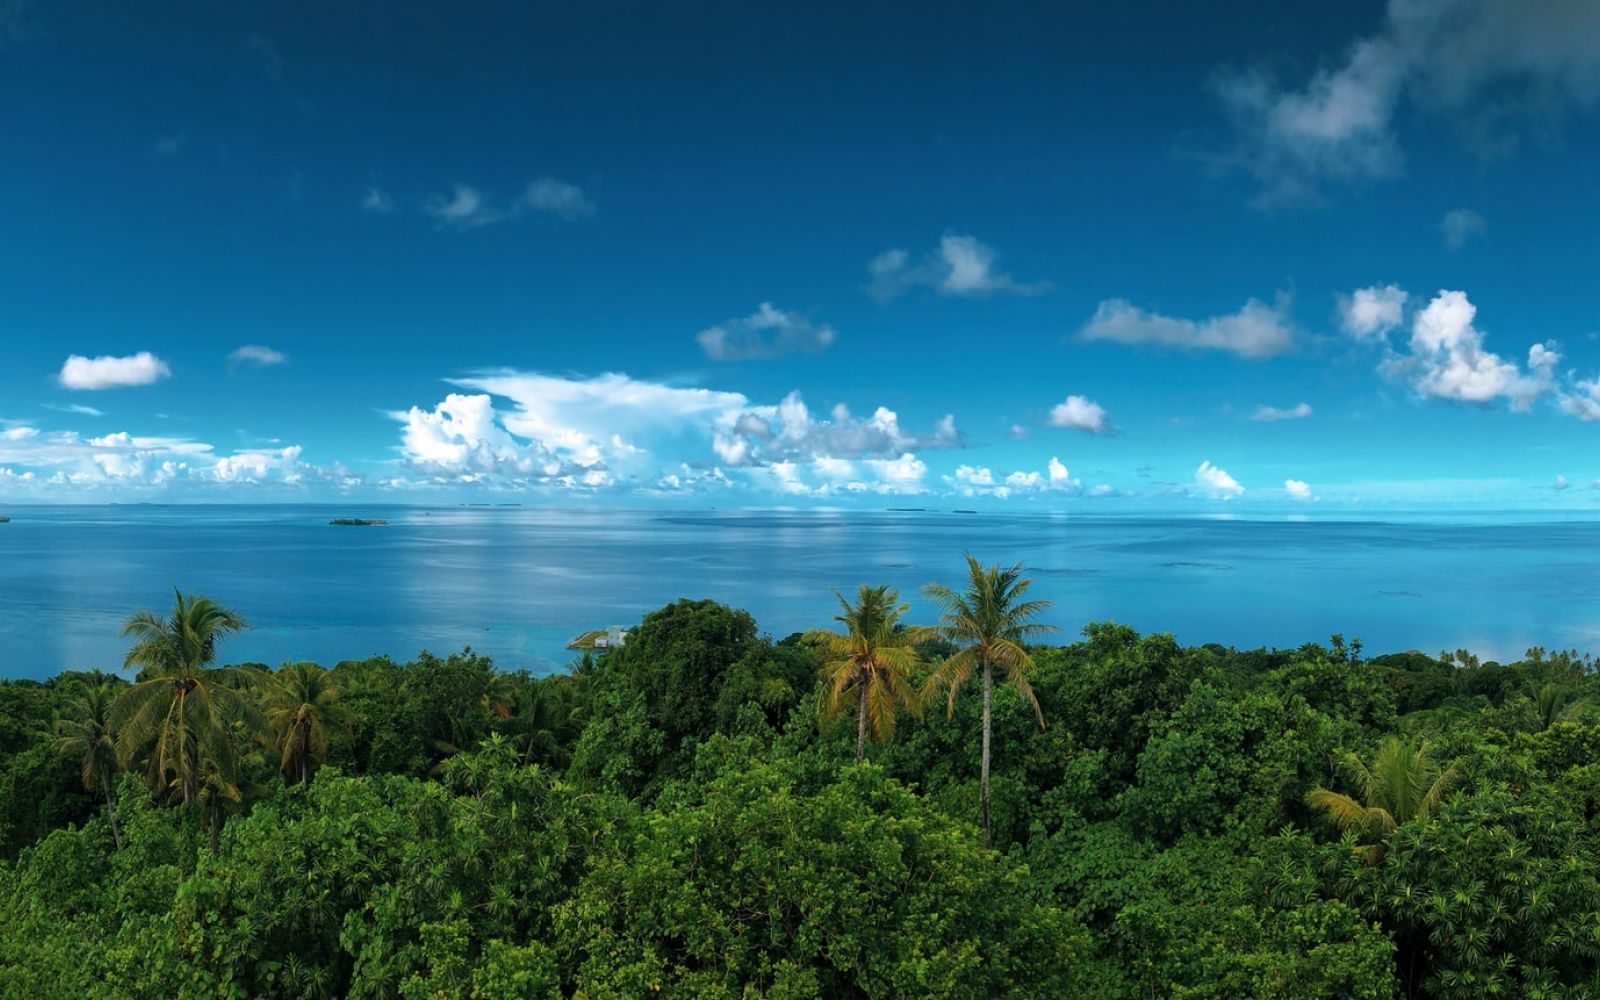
83	733
871	657
178	711
991	623
302	703
1553	703
1403	783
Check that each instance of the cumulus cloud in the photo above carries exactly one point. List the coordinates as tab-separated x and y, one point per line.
1448	360
1560	484
65	462
961	266
1081	414
977	480
1489	65
1582	400
1257	330
256	354
108	372
1460	225
463	439
788	432
466	207
1272	413
1216	482
519	429
1371	313
768	332
1296	489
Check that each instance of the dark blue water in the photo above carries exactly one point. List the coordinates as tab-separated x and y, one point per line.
517	582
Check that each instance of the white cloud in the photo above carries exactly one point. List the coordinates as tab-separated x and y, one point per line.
377	201
1296	489
1445	357
1081	414
612	430
281	464
1582	400
65	463
256	354
1018	433
1460	225
1216	481
559	198
1272	413
961	266
766	333
466	207
1371	313
1448	359
761	435
974	480
1489	64
1257	330
1560	484
78	408
107	372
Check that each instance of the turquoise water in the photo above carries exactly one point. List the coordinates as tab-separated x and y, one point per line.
517	582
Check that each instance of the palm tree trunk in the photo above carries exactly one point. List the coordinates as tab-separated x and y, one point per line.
861	722
988	687
111	815
216	828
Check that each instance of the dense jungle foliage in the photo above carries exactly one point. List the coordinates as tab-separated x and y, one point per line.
686	815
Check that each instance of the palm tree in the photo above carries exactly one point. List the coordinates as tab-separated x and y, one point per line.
991	623
871	658
1404	783
84	734
178	710
545	720
218	795
302	703
1553	703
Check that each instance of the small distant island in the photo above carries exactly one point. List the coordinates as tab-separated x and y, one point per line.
4	519
359	521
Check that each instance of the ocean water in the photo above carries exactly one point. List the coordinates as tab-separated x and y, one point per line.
518	582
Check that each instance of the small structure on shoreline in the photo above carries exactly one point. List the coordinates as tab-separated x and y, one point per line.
609	637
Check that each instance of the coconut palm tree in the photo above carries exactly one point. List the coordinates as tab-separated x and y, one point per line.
868	661
1553	703
179	711
218	796
545	721
302	703
991	623
84	734
1402	784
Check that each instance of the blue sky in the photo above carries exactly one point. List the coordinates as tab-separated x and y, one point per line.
1046	256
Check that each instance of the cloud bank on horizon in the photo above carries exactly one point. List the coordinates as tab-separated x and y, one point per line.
1363	280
